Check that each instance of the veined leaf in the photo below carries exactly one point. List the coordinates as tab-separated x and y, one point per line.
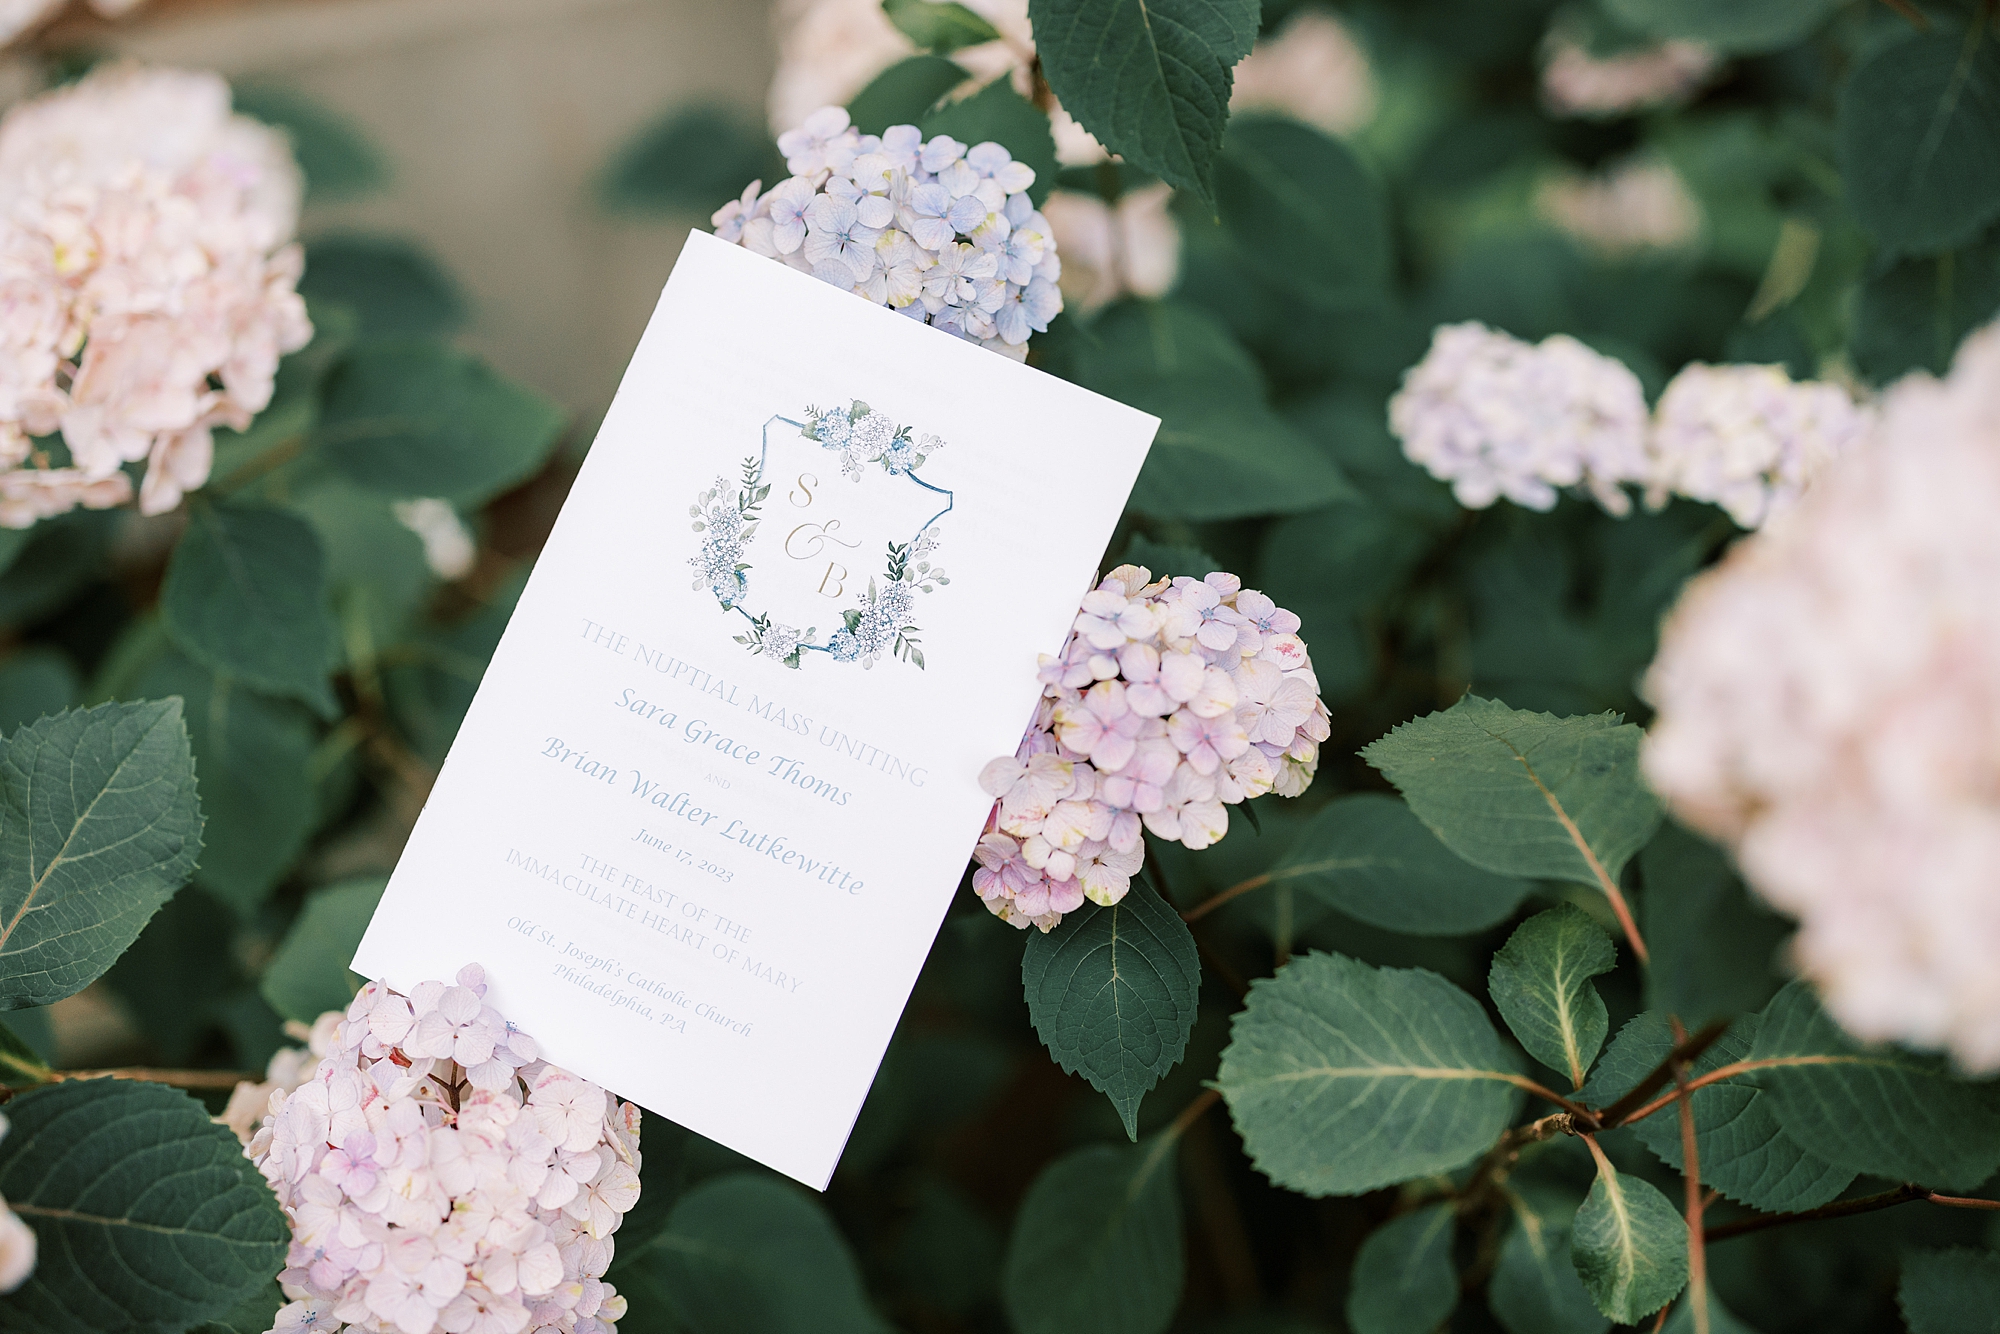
1629	1245
245	595
1097	1244
1525	794
417	417
1951	1292
1342	1078
1744	1152
1404	1281
1535	1288
1303	212
308	976
99	827
1540	981
1370	857
1113	992
1879	1110
746	1254
147	1216
1221	451
1149	78
1920	141
939	25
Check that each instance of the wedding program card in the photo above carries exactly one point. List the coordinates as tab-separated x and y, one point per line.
720	781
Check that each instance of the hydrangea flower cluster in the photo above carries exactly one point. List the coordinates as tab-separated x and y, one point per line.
1577	82
1640	203
1829	704
940	231
863	436
1170	701
1130	248
439	1175
1310	68
147	282
1495	417
1747	438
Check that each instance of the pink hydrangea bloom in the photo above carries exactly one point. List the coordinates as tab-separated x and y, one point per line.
147	285
1579	82
1829	705
1172	701
423	1198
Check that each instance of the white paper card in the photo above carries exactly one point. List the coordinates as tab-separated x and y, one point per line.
697	875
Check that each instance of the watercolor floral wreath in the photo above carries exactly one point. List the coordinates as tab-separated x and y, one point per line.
883	619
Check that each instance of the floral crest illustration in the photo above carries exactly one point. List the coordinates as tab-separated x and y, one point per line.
882	619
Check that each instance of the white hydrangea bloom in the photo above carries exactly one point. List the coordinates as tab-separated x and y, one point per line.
1829	704
1747	438
18	16
146	284
1131	248
448	546
17	1243
1577	83
440	1176
1495	417
1311	68
938	230
1639	203
1170	702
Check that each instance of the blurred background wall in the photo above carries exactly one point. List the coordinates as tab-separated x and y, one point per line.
496	118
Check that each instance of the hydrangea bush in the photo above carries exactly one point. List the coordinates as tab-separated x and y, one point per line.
1564	847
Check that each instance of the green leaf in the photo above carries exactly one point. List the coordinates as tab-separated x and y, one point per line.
1167	560
1636	1052
178	977
1738	27
1744	1152
1715	949
100	826
147	1216
18	1058
1097	1244
1535	1288
37	682
1113	992
939	25
253	754
695	158
375	564
1370	857
1404	1282
255	1314
1149	78
1001	115
1879	1110
391	284
1525	794
904	92
1221	451
413	417
1920	141
245	596
308	976
1629	1246
1914	314
1951	1292
746	1254
1303	212
1540	982
336	157
1343	1078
